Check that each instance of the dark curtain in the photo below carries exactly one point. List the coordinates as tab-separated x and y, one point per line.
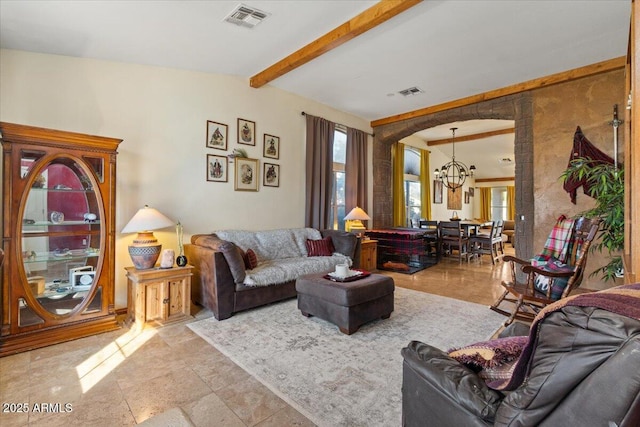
319	172
355	170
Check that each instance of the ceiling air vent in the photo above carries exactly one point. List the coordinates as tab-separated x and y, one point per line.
246	16
411	91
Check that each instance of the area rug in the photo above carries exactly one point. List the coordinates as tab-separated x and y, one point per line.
343	380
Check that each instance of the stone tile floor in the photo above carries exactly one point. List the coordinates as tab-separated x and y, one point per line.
124	377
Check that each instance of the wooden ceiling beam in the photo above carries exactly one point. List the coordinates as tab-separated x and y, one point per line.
565	76
370	18
506	178
472	137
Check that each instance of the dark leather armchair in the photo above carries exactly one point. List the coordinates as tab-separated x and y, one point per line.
582	370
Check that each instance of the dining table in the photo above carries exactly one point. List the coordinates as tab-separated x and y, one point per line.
470	227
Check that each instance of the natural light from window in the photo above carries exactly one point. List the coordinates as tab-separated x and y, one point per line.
100	364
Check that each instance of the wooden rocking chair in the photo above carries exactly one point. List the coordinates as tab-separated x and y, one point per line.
548	283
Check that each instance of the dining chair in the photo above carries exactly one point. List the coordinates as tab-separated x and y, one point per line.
488	243
431	237
452	237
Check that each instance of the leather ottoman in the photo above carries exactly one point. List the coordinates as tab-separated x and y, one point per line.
348	305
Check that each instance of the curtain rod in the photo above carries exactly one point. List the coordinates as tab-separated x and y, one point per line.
370	134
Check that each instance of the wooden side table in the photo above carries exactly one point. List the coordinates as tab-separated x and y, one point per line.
368	254
158	295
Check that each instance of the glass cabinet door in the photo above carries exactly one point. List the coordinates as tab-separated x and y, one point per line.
60	234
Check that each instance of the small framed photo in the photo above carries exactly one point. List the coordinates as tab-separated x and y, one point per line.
217	167
217	135
247	174
271	177
246	132
271	146
437	191
466	197
471	191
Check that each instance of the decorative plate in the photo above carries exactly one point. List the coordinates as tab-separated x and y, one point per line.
57	217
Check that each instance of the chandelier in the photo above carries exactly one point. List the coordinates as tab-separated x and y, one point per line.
454	174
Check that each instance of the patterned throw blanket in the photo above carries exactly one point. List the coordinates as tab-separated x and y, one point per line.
557	244
623	300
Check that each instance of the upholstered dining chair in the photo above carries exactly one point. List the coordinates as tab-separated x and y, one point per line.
452	237
547	283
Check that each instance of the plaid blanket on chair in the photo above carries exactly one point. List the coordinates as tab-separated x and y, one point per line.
557	244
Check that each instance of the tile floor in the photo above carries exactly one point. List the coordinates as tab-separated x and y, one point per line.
124	377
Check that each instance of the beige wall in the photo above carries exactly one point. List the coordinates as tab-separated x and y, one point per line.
558	110
161	115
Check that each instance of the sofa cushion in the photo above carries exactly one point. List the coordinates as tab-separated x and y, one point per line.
273	272
272	244
230	251
489	354
343	242
321	247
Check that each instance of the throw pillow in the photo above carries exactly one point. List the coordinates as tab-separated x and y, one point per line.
499	376
490	354
322	247
250	259
541	283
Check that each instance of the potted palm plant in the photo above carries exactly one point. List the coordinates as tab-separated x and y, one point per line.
605	183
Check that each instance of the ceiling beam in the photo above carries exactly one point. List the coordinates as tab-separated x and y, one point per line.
565	76
370	18
472	137
506	178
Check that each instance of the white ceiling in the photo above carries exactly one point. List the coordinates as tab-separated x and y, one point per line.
450	49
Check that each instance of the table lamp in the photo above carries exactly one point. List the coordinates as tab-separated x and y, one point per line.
353	220
145	249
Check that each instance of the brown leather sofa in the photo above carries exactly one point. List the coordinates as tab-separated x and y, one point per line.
216	263
583	370
509	230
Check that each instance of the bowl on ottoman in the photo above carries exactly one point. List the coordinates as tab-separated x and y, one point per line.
348	305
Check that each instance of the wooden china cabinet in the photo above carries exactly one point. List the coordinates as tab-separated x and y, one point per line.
58	197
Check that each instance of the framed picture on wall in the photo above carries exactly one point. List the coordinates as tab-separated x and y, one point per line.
466	197
454	199
271	146
437	191
271	176
217	135
246	132
217	168
247	174
471	191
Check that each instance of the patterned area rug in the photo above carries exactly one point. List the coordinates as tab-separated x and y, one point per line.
336	379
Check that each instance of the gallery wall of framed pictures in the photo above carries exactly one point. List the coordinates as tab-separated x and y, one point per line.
246	170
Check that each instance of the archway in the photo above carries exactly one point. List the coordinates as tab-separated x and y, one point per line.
516	107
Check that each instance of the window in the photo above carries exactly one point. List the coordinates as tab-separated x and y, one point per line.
498	203
412	188
338	199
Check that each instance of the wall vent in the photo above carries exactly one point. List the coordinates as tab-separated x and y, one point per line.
245	16
505	161
411	91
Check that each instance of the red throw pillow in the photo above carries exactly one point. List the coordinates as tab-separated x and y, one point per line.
322	247
250	259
